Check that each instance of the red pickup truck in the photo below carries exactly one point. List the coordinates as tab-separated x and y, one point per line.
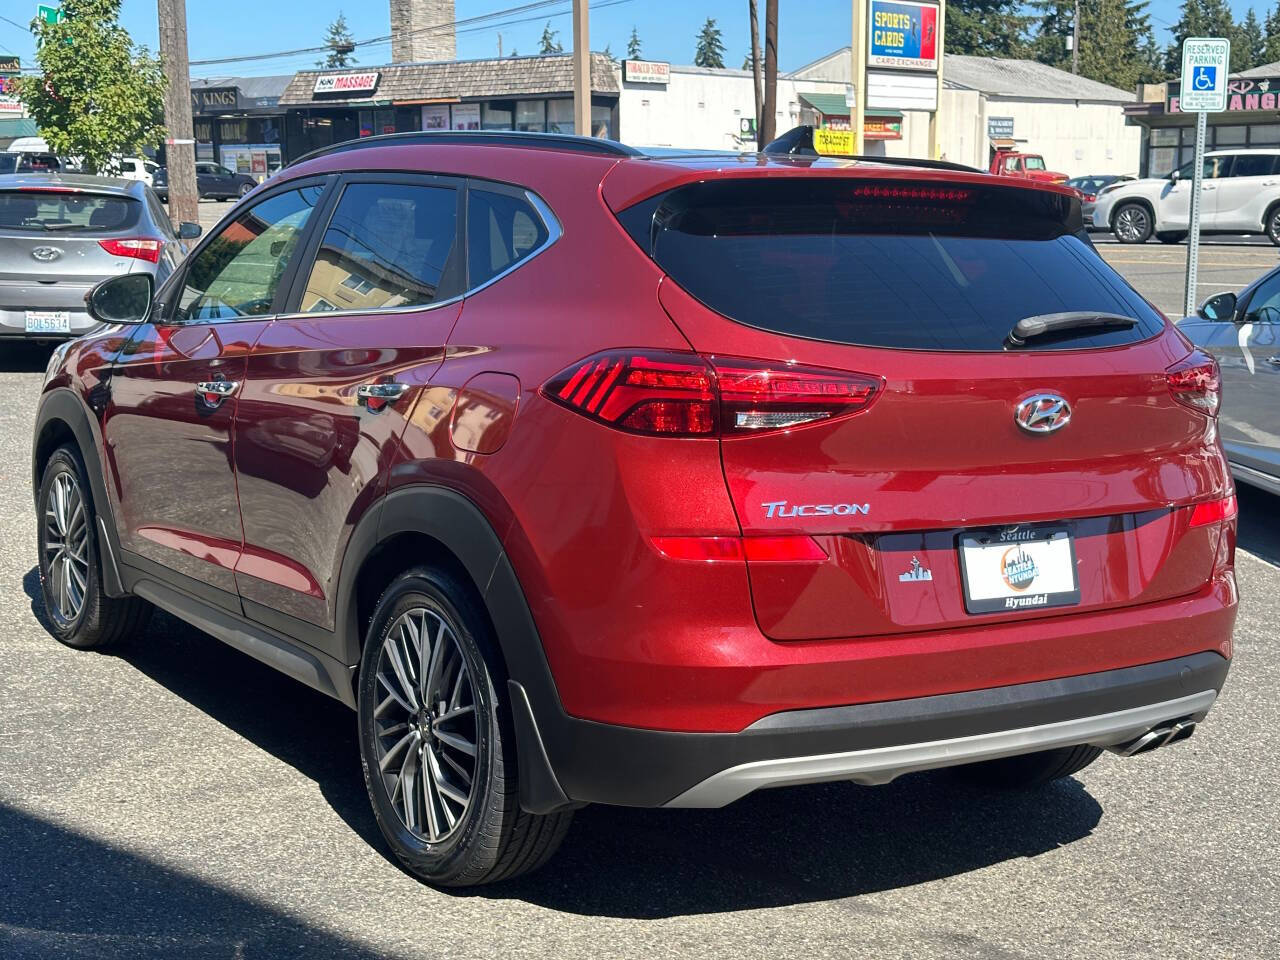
1028	166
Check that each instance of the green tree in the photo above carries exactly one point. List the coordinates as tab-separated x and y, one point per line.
1149	55
633	45
1271	27
1052	27
549	42
988	28
341	45
1107	44
98	95
1202	18
710	50
608	52
1250	40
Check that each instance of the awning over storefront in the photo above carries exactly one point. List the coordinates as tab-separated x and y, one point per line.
876	124
11	128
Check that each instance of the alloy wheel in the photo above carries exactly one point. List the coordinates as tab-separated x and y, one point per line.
66	545
1131	224
427	727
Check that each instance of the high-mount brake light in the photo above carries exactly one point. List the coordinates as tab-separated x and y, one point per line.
898	191
137	248
1214	511
674	394
1195	382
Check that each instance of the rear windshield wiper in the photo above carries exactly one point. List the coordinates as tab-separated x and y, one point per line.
1072	321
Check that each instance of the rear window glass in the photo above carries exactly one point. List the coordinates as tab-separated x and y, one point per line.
912	265
67	211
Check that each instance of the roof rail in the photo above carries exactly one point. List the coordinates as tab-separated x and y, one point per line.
491	138
798	141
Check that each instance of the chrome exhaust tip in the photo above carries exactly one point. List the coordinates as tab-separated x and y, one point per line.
1160	736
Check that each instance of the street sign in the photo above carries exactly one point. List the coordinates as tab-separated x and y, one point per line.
1204	90
1204	74
50	14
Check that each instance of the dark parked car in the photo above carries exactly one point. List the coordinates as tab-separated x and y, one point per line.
61	234
213	180
1091	186
591	477
1243	332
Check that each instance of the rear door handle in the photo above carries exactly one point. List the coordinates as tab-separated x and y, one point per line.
213	392
1274	361
376	396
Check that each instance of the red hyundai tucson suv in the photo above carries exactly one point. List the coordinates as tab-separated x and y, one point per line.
586	476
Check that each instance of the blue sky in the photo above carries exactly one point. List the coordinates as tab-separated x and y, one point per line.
218	28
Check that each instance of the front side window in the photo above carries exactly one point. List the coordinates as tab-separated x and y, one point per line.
1214	168
1011	164
388	245
1264	305
502	230
238	272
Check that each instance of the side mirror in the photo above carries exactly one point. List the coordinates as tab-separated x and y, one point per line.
1220	307
1173	176
123	299
188	230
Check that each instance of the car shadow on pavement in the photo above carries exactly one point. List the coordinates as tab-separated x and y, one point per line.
1259	523
773	848
66	895
24	357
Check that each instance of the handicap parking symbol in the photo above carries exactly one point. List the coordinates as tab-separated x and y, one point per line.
1204	78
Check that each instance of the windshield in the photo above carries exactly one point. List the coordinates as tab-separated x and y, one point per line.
885	264
44	210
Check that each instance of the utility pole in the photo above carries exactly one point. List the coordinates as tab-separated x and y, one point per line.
180	145
753	15
1075	40
858	75
499	46
581	71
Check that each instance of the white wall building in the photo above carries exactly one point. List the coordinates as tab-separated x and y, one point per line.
1077	124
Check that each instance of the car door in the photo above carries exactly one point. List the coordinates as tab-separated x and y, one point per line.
1249	356
206	179
1175	199
330	384
1235	202
171	404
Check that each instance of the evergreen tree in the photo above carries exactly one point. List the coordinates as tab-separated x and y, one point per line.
633	45
1191	23
549	42
710	50
1149	55
608	52
1107	44
1271	28
990	28
340	43
1251	42
1052	27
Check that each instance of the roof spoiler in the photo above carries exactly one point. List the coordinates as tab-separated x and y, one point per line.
798	142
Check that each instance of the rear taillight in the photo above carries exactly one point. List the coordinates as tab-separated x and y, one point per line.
137	248
673	394
797	549
1214	511
1194	382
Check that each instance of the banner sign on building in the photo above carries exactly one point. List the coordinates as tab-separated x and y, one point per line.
646	71
903	35
215	99
9	102
1000	128
435	116
1259	93
466	116
346	84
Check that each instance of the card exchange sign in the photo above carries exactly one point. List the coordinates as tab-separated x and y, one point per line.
903	35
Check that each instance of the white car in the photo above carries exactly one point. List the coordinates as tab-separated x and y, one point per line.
137	168
1239	193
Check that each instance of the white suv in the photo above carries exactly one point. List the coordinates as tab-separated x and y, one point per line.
1240	193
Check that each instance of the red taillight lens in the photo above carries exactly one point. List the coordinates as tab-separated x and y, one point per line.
137	248
682	395
1194	382
1214	511
798	549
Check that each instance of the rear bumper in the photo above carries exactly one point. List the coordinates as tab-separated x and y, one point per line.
13	323
874	742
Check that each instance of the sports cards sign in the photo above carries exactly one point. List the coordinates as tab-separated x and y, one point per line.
903	35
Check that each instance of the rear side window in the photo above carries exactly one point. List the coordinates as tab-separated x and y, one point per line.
1255	164
910	265
387	245
502	230
66	211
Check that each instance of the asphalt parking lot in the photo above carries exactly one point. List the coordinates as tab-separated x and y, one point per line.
177	799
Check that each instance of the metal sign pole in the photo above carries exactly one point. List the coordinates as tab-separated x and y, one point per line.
1193	236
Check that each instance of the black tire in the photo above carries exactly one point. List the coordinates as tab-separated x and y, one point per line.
1132	223
1272	225
1031	770
245	189
492	838
1170	236
98	621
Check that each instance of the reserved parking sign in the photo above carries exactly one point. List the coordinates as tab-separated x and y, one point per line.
1204	74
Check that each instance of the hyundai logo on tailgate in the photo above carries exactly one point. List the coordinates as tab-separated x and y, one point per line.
45	254
1042	413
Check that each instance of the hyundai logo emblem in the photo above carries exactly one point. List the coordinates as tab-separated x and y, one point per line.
46	254
1042	413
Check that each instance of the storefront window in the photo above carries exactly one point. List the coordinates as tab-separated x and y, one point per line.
602	121
231	131
494	118
531	115
1162	160
1228	136
1167	137
1264	135
560	116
